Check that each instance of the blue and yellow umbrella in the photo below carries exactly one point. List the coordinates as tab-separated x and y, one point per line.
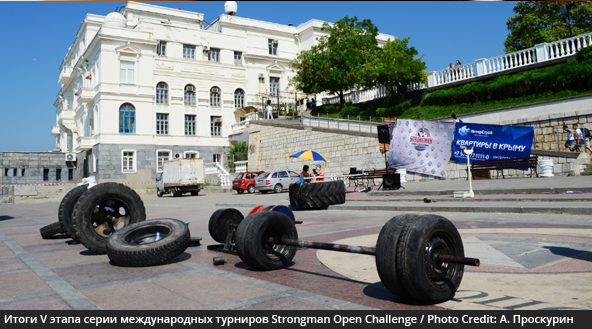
310	155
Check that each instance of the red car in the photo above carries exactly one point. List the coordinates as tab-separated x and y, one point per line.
245	181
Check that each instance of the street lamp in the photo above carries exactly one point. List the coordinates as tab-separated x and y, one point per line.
565	9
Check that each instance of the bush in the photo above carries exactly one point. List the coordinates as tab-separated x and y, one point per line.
351	110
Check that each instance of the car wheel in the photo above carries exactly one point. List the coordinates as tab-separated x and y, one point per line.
277	188
264	192
251	189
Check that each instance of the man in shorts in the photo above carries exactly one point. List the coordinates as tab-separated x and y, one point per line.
581	140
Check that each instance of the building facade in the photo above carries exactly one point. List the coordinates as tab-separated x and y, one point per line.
150	83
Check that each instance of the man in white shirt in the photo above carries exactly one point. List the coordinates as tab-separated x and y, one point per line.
269	111
581	140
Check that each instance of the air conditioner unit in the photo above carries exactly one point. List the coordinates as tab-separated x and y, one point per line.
218	120
189	88
206	48
261	75
70	156
215	90
275	42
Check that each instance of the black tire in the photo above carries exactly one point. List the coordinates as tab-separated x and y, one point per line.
93	229
277	188
67	208
177	193
194	193
251	240
135	245
386	254
219	221
240	191
251	189
159	194
427	280
319	195
50	230
264	192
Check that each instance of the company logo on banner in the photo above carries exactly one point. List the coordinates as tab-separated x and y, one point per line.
492	141
421	146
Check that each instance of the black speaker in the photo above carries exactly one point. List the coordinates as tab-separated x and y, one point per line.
391	181
353	171
383	134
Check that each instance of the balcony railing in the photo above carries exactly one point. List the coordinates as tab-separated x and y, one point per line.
240	166
65	116
65	75
481	67
85	94
85	143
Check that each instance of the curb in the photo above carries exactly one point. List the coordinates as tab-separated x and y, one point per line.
517	210
479	200
550	190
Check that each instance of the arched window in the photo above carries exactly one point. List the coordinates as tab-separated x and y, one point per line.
239	98
127	119
162	93
189	95
215	97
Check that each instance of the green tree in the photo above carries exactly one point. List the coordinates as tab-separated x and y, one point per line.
395	67
237	152
337	63
542	21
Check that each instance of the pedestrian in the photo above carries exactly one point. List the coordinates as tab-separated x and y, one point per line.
308	104
570	138
582	138
456	119
269	110
448	68
313	104
461	70
319	171
304	174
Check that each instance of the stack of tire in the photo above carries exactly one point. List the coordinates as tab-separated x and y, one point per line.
110	218
317	195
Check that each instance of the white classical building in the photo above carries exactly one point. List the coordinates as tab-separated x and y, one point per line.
150	83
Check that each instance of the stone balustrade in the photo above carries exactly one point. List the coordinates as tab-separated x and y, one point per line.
481	67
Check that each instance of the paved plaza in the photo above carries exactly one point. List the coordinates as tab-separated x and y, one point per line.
534	244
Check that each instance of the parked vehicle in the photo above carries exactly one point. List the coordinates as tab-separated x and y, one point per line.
181	176
245	181
275	181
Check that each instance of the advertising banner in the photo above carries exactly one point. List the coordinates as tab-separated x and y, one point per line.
421	146
492	141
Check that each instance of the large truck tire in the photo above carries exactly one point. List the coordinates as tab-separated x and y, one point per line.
67	208
95	206
50	230
319	195
148	243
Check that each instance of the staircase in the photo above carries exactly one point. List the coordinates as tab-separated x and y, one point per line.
214	168
587	171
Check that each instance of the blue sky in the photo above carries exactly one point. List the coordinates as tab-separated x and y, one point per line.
36	37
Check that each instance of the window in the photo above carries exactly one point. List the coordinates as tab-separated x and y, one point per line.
215	97
162	156
188	51
128	161
216	126
126	72
58	174
190	125
191	154
6	172
14	172
70	174
217	157
274	86
273	45
162	93
127	119
238	58
23	172
214	55
161	48
239	98
189	95
162	124
45	174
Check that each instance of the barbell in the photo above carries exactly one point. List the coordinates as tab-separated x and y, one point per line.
417	256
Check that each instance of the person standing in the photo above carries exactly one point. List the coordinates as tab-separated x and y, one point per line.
570	138
460	71
269	110
456	119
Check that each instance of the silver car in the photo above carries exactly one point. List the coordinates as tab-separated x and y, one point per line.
275	181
